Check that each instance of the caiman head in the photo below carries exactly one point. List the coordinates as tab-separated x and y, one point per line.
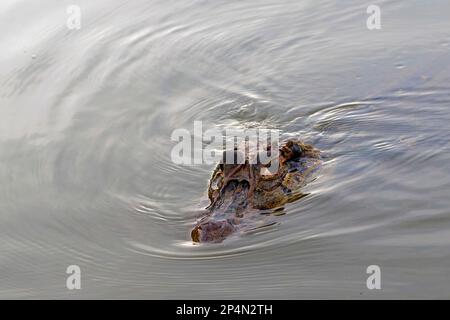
236	189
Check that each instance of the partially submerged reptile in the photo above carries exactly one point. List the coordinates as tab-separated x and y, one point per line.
239	192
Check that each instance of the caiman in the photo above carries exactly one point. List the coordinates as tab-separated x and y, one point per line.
239	192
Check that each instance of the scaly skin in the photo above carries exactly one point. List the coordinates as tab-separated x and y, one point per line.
238	191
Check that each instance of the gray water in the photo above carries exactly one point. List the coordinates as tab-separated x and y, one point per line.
86	176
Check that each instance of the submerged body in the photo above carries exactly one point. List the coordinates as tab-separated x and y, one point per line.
240	191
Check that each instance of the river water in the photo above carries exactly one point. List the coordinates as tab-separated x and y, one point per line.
86	176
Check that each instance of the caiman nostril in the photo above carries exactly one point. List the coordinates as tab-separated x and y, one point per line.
212	231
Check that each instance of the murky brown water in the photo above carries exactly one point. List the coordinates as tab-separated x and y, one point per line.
85	122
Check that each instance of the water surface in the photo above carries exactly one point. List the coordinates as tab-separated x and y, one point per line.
85	122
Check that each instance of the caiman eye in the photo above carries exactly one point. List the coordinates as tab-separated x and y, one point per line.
214	185
216	181
296	151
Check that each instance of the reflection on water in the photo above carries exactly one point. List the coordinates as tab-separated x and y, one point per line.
85	123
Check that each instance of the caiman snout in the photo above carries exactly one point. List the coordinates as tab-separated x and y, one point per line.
212	231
